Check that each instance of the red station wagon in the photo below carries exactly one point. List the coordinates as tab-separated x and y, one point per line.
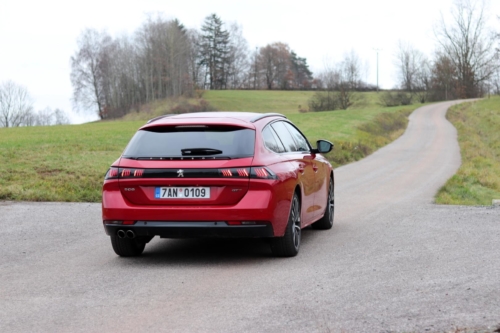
218	174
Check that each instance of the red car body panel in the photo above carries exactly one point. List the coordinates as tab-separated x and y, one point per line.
239	199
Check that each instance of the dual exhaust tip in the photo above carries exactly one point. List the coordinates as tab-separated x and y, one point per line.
125	234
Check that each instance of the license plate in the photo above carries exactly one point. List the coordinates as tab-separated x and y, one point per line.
182	193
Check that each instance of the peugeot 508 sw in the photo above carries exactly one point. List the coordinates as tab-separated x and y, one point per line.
218	174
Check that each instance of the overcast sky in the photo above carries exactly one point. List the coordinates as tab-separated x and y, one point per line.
38	37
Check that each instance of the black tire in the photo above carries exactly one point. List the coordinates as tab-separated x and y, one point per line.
289	244
126	247
326	222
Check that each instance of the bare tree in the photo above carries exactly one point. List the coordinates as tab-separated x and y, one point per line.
16	104
194	59
274	62
238	63
44	117
49	117
30	118
468	43
60	117
349	77
409	61
495	82
340	84
414	71
423	81
444	83
253	77
87	71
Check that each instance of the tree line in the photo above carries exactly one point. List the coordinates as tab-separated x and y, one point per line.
466	63
164	59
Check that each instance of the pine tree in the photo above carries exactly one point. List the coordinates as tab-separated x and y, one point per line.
302	74
215	52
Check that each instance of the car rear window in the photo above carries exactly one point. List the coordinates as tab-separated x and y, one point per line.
176	141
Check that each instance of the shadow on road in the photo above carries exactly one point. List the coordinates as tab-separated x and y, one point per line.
187	252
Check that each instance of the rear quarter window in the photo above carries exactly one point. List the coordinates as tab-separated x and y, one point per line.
285	136
271	140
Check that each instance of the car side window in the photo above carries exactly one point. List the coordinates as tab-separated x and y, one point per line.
285	136
302	144
271	140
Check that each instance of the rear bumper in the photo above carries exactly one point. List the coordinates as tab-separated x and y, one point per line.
264	202
191	229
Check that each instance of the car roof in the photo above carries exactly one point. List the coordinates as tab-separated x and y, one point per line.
243	119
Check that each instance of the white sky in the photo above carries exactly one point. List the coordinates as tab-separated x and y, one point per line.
38	37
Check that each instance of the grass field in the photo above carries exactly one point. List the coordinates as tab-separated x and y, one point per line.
477	181
59	163
68	163
285	102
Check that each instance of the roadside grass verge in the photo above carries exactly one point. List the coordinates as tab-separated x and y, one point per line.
68	163
355	133
477	181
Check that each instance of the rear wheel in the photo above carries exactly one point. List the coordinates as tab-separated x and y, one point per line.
326	222
289	244
126	247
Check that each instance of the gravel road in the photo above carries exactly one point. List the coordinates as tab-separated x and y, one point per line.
394	261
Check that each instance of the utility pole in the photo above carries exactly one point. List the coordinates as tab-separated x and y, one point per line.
377	50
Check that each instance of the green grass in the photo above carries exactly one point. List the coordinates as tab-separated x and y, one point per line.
59	163
68	163
355	133
477	182
258	100
285	102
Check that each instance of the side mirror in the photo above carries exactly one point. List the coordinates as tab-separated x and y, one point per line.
323	146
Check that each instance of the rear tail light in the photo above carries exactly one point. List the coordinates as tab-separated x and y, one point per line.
115	173
253	172
262	173
112	173
234	173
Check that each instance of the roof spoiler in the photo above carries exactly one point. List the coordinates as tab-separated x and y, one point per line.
265	115
160	117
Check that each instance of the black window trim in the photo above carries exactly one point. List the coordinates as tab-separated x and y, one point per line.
285	152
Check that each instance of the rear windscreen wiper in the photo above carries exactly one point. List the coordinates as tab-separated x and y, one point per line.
200	151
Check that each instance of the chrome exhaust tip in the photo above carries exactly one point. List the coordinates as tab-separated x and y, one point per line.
130	234
121	234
